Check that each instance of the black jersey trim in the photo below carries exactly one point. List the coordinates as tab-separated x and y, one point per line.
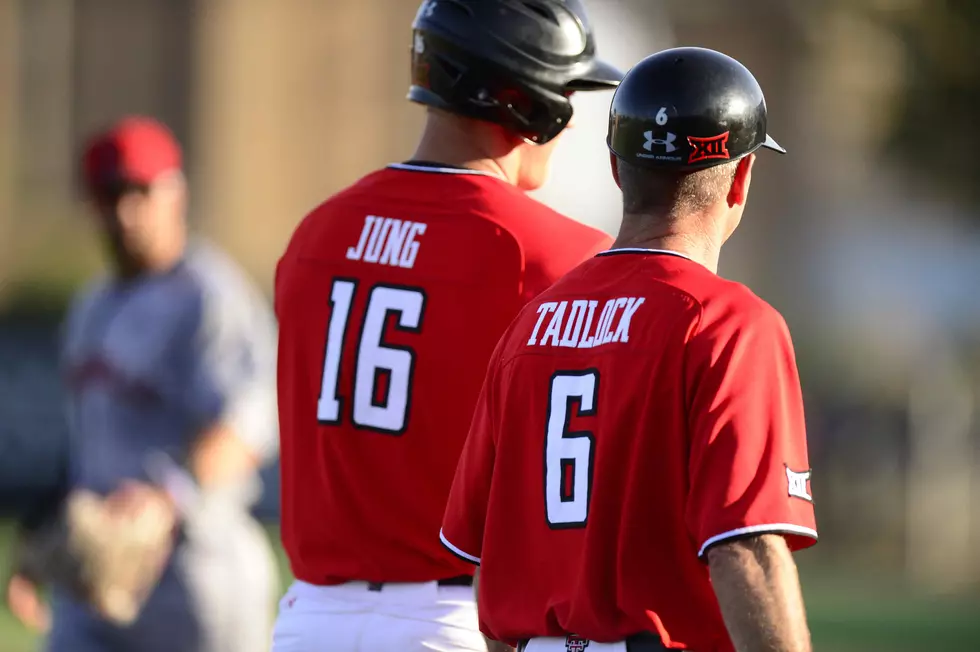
640	250
438	168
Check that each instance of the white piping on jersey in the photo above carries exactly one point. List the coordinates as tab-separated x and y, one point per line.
465	555
641	250
437	170
771	528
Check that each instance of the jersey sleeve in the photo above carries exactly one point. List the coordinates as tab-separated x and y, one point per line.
231	371
748	466
466	509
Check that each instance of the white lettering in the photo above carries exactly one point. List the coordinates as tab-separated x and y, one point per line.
570	322
607	337
554	327
604	317
376	241
543	309
573	327
355	253
411	249
387	241
586	342
393	246
623	328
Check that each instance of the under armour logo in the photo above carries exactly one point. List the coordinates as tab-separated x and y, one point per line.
430	8
705	148
798	481
667	143
576	643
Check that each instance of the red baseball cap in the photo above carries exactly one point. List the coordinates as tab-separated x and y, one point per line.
136	150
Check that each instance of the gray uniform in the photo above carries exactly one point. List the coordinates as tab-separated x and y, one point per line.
149	363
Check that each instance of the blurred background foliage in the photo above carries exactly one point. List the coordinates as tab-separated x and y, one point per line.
933	126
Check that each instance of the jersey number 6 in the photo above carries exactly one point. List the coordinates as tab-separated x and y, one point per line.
568	454
382	372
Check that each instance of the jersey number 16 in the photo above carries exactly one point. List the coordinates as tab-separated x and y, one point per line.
382	384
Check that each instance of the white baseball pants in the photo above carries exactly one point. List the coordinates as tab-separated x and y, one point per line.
400	617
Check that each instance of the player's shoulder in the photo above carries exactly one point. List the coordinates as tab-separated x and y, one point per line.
218	287
731	307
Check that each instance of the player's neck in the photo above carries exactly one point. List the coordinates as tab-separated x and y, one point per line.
130	265
447	141
698	246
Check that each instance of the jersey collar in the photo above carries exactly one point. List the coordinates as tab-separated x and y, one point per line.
641	250
437	168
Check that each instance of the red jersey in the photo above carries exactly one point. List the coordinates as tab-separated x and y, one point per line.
638	412
390	297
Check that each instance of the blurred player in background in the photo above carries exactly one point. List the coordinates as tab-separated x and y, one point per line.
390	298
170	370
637	473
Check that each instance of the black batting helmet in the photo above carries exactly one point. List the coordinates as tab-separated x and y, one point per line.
688	109
510	62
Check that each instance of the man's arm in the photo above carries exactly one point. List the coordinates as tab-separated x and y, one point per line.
758	589
749	473
232	388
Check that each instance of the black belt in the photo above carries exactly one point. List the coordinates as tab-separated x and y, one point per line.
637	643
459	580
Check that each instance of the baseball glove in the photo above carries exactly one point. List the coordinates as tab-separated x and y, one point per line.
109	552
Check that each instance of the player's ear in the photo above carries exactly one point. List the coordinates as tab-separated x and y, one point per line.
739	191
615	169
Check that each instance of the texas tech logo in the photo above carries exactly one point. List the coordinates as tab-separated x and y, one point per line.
707	148
576	643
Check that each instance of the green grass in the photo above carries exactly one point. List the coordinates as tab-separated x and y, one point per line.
853	612
848	612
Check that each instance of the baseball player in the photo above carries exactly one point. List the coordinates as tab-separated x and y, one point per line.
636	473
390	298
169	365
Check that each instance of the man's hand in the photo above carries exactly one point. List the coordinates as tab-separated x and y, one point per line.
758	589
219	457
27	605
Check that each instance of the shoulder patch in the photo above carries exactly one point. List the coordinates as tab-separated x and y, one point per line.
799	484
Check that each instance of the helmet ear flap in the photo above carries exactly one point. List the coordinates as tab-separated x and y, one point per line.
515	102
